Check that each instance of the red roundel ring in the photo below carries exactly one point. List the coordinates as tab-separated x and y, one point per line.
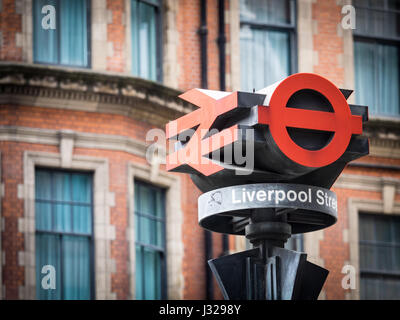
282	117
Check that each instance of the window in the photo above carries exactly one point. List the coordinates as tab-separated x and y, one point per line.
146	42
267	42
150	242
68	43
64	236
376	56
379	256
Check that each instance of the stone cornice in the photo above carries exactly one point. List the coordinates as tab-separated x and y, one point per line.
87	90
383	127
384	136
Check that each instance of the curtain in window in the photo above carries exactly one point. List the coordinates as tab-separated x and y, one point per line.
73	33
377	77
264	49
68	43
144	45
150	243
45	41
264	57
63	233
267	11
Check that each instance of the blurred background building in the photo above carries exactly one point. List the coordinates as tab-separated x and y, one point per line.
83	81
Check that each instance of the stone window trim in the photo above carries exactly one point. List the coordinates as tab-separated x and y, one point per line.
104	232
174	221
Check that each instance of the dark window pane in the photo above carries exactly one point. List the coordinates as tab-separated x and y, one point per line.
377	19
73	33
76	267
57	215
379	257
267	11
377	4
383	229
380	288
82	190
265	57
396	231
82	219
152	276
377	77
361	21
139	277
366	228
43	185
265	47
67	44
62	186
368	256
146	231
149	235
48	253
45	41
62	217
144	39
43	212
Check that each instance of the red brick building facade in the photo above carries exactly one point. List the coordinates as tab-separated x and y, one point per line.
96	119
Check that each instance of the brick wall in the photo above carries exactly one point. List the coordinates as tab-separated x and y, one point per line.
10	30
12	209
187	24
327	43
116	35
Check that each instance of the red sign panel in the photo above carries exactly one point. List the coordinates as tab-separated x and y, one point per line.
279	117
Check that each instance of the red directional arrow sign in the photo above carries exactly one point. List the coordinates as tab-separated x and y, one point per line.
193	152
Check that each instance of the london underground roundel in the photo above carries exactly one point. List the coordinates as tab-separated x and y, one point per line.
279	117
